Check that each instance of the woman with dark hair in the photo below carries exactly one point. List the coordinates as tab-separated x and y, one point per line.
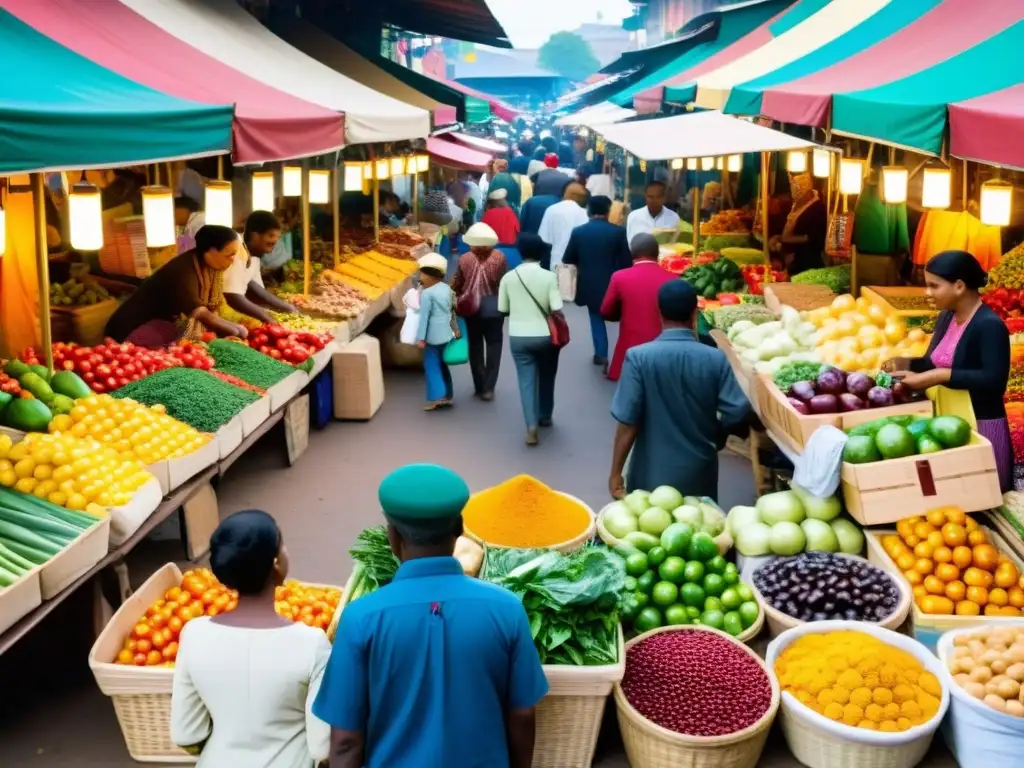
970	350
182	297
245	680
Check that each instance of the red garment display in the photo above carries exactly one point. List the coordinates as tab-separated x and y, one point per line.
504	222
632	300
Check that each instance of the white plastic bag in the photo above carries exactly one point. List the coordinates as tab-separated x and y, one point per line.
565	274
977	735
411	324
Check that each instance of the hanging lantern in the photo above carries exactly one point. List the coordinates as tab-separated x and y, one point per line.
382	167
397	165
996	203
796	162
851	175
263	198
158	216
692	164
720	163
707	163
219	203
354	175
291	181
85	211
422	162
821	161
643	166
935	192
677	164
319	186
734	163
894	184
599	144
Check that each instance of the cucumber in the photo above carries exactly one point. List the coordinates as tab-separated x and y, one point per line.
13	567
40	524
11	556
7	578
30	504
29	553
16	533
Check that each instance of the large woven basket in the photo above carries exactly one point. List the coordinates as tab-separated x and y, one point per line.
723	540
818	742
569	717
651	746
778	622
571	545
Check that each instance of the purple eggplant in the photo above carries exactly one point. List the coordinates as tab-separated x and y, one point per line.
802	390
824	404
879	397
831	381
858	384
799	406
850	402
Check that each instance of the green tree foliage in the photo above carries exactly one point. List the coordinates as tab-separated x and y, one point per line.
569	55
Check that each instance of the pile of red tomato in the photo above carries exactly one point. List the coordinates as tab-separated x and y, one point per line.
1008	303
294	347
754	276
9	385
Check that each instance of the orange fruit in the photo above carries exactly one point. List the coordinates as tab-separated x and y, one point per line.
922	529
975	577
986	557
967	608
913	577
971	524
997	596
1009	610
993	610
924	566
936	517
911	540
906	561
977	595
942	554
956	515
935	539
924	549
905	527
920	591
954	535
934	585
962	557
1016	596
933	604
976	538
947	572
1006	575
892	544
957	590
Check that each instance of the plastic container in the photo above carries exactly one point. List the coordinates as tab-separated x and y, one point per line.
977	735
818	742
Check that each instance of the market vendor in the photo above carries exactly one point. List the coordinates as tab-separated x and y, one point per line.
969	350
244	291
182	297
654	215
803	238
434	668
675	402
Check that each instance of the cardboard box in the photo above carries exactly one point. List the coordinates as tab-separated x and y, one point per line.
886	491
358	379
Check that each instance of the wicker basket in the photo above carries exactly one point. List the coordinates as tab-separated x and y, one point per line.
818	742
564	547
723	540
779	622
651	746
569	717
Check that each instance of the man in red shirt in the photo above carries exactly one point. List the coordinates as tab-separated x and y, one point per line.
500	217
632	300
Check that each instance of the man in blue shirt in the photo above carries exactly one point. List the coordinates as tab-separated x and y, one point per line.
674	404
436	669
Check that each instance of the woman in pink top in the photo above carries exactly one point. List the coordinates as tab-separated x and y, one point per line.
970	350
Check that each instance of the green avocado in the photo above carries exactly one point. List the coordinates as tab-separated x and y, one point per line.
27	415
16	369
68	383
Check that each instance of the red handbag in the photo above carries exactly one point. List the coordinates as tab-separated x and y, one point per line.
558	326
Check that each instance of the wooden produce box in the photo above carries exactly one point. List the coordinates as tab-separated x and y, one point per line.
75	559
928	628
358	379
886	491
20	599
880	295
796	295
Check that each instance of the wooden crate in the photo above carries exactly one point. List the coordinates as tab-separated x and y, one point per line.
20	599
880	295
76	558
886	491
777	295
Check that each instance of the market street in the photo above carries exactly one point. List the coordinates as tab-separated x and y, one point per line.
329	496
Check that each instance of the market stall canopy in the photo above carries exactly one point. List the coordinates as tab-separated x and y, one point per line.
599	114
453	155
268	123
225	31
988	128
479	143
701	134
731	22
412	87
496	107
60	111
835	18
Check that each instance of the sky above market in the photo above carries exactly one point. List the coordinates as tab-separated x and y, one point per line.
530	22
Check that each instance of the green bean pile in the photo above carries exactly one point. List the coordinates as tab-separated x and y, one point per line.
248	364
195	397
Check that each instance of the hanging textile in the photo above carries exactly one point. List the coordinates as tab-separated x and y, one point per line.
19	300
956	231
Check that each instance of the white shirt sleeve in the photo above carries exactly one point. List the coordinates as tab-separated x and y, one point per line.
239	274
191	723
634	225
547	224
318	733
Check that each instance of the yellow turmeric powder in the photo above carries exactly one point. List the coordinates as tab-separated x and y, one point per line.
523	512
856	679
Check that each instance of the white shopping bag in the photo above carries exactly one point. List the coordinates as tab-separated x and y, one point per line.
566	276
411	324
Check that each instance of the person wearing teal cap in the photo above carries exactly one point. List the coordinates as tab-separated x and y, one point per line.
435	669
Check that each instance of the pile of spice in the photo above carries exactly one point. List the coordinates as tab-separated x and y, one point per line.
523	512
696	683
248	364
195	397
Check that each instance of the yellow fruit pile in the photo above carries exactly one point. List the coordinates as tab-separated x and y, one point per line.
77	473
135	431
856	679
348	269
405	266
384	271
857	335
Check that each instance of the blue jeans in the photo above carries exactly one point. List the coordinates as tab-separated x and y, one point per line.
599	333
439	378
536	360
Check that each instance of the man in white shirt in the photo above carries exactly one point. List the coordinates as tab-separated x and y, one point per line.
652	216
244	291
561	219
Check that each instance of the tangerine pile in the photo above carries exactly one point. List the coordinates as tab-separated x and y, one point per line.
953	566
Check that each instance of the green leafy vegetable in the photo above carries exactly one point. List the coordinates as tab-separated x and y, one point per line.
836	278
726	317
372	552
791	373
573	601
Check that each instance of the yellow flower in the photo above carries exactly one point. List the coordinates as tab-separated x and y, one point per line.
930	684
850	679
852	714
881	696
902	693
861	697
840	695
834	711
825	697
910	709
891	710
888	726
874	713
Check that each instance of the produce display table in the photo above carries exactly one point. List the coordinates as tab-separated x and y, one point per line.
224	464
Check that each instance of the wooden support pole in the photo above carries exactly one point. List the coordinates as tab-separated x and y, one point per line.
764	206
305	230
696	220
376	197
336	214
42	265
220	167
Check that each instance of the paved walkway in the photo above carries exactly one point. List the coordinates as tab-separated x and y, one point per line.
56	717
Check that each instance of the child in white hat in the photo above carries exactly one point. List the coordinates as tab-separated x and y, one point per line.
437	328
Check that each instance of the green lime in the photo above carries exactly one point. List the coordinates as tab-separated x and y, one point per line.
692	595
664	593
717	564
646	582
731	575
702	547
731	599
656	556
676	614
693	612
672	569
745	592
693	572
631	583
642	600
648	618
713	604
732	623
714	619
749	612
713	584
636	564
630	608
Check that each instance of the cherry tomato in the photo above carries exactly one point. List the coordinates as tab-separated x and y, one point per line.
139	659
153	658
142	630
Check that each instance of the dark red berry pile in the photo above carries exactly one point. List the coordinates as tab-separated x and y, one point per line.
696	683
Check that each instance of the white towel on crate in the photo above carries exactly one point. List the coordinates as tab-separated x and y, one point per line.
818	469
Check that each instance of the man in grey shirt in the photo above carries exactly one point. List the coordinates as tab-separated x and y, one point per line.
674	403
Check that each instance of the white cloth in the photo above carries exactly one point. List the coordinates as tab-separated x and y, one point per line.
557	225
250	692
196	221
244	270
600	184
566	276
411	324
640	221
456	223
818	469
